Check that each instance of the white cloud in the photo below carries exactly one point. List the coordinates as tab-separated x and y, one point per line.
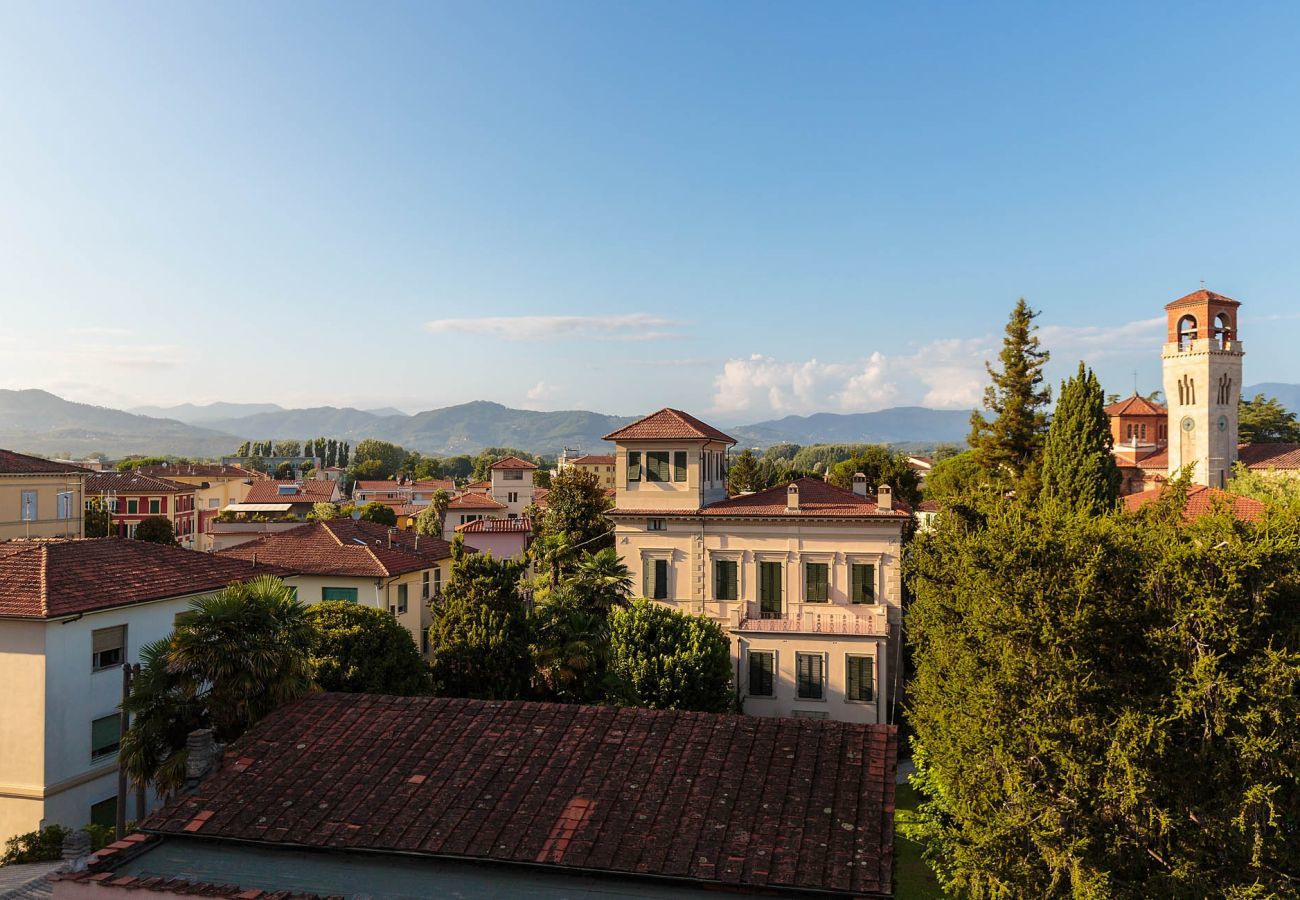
626	327
538	391
1096	342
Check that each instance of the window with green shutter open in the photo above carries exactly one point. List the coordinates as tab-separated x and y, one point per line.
810	676
725	584
817	582
860	678
634	465
657	467
656	579
862	587
762	673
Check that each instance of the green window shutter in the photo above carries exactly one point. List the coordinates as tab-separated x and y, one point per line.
679	465
808	676
769	587
817	582
661	579
104	735
634	465
863	588
762	680
860	674
648	577
338	593
724	578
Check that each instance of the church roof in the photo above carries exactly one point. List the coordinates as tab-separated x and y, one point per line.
1136	405
1195	298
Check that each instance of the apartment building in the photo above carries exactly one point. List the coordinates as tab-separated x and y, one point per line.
270	507
216	487
804	577
39	497
511	483
600	465
131	498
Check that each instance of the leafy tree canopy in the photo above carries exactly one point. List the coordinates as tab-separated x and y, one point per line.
360	649
881	467
156	530
98	520
574	516
429	520
376	459
1079	469
377	512
1263	420
955	477
664	659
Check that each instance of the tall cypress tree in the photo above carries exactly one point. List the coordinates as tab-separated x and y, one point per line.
1078	468
1009	449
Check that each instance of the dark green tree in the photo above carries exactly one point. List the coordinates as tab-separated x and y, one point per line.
430	519
955	477
99	522
331	452
881	467
345	453
570	650
664	659
1009	448
743	474
1263	420
287	448
156	530
377	459
574	517
243	449
376	512
361	650
1078	467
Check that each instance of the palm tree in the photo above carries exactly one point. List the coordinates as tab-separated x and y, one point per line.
603	580
570	650
234	657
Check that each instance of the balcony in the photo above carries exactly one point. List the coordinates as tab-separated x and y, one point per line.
821	618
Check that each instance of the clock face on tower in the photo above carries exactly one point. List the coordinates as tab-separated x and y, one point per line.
1223	423
1188	424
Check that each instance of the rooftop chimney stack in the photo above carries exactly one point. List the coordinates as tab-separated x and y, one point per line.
200	748
859	484
792	498
884	497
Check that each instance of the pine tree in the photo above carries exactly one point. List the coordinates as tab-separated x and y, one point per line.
1078	467
332	452
243	449
744	473
1009	449
344	450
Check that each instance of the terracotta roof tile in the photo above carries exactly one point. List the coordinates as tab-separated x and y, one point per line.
1201	296
12	463
1262	457
1136	405
474	500
132	483
668	424
817	499
520	525
592	459
747	803
1200	500
344	547
310	491
50	578
512	462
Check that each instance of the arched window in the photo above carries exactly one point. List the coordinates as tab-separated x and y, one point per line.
1222	331
1186	332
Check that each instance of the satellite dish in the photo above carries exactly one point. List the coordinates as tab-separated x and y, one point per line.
356	515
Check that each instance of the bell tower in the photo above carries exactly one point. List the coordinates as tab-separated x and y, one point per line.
1202	375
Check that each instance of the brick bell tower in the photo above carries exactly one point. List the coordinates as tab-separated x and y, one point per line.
1202	375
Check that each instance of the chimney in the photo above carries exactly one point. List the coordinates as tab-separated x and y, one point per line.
884	497
859	484
391	532
792	498
75	846
200	750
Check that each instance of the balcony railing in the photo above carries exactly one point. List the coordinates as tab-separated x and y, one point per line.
822	619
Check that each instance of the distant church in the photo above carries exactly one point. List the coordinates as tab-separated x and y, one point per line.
1201	362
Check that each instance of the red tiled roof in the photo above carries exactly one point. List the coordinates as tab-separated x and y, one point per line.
592	459
1262	457
131	483
474	500
1200	500
390	486
199	470
478	486
520	525
1156	460
433	484
1136	405
310	491
1201	296
512	462
668	424
749	803
42	579
344	547
12	463
817	499
928	506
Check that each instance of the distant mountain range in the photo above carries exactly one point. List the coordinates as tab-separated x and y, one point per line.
36	421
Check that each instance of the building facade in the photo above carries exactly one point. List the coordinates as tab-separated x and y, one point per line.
600	465
803	577
131	498
216	486
512	484
40	498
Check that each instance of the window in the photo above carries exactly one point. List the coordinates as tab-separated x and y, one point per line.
816	582
512	475
634	465
424	585
656	579
64	499
104	813
424	641
214	503
29	506
655	525
724	580
105	735
132	507
512	497
860	678
762	673
107	647
810	676
656	466
769	590
401	599
437	582
679	465
862	587
339	593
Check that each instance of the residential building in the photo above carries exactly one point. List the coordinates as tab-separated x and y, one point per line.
405	498
804	577
361	795
600	465
512	484
470	507
131	498
40	498
216	487
503	538
921	465
269	507
361	562
71	613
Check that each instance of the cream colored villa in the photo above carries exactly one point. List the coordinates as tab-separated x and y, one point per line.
39	497
804	577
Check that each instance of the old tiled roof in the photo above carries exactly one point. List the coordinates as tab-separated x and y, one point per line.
344	547
668	424
1143	458
520	525
12	463
433	484
1200	500
592	459
817	499
474	500
748	803
199	470
310	491
132	483
1262	457
42	579
1201	296
390	486
478	486
1136	405
512	462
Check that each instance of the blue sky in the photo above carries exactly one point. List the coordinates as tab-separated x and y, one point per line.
745	210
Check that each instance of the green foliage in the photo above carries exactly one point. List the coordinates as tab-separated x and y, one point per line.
490	455
881	467
574	518
956	477
156	530
376	512
375	459
743	473
35	846
665	659
287	448
1079	469
360	649
570	650
1107	706
99	522
458	467
134	462
1277	490
429	520
426	468
782	452
1009	449
944	451
233	657
323	512
1263	420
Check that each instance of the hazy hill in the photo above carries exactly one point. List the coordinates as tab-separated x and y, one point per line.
1287	394
206	413
300	424
902	424
39	422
